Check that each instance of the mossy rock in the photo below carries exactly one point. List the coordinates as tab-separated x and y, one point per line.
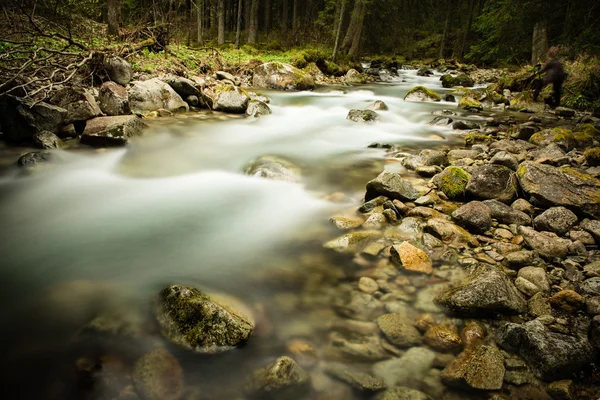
192	319
561	136
276	75
592	156
476	138
468	102
585	135
421	93
362	116
523	101
453	182
449	81
299	61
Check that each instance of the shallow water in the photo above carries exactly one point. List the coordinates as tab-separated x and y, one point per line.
110	228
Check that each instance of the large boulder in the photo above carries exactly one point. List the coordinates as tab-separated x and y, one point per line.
112	131
474	216
507	214
113	99
46	140
493	182
21	118
547	244
564	186
183	86
485	292
154	94
118	70
421	93
452	181
78	102
194	320
391	184
283	379
231	99
550	355
276	75
449	81
556	219
273	167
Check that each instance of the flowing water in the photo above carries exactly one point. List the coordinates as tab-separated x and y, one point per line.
102	229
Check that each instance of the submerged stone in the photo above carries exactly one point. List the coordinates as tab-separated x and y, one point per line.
283	379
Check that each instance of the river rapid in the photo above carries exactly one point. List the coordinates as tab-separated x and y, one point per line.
110	228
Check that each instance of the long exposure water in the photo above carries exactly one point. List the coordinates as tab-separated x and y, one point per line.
107	229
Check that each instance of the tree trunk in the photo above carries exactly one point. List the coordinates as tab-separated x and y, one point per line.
284	16
221	23
114	16
352	39
253	28
295	17
238	30
199	17
463	46
339	29
446	26
267	16
539	45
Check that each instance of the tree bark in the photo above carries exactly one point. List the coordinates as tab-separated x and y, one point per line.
267	16
339	29
295	17
253	28
238	30
353	35
463	46
221	21
446	26
114	16
539	45
284	16
200	17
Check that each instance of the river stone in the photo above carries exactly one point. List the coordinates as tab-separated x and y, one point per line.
485	292
449	233
426	158
411	258
443	338
283	379
547	244
257	108
421	93
230	99
506	214
452	181
474	216
523	206
353	242
402	393
362	116
479	368
183	86
46	140
564	186
113	99
556	219
506	159
593	227
78	102
564	112
535	276
410	369
567	300
192	319
21	119
152	95
273	167
280	76
550	355
391	185
398	330
346	223
118	70
34	159
112	131
158	376
493	182
591	286
441	121
377	106
358	380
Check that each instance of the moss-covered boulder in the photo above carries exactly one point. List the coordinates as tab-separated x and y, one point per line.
452	181
493	182
280	76
283	379
563	137
561	186
362	116
449	81
592	156
112	131
421	93
230	99
585	135
470	103
476	138
194	320
523	101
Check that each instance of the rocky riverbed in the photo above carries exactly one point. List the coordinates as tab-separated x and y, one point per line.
468	272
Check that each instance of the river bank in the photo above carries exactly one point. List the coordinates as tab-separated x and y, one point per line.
462	256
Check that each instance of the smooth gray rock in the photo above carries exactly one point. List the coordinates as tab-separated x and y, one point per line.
493	182
46	140
280	76
112	131
556	219
257	108
485	292
506	214
547	244
230	99
183	86
506	159
550	355
21	119
113	99
33	159
391	184
152	95
474	216
362	116
592	226
78	102
118	70
399	330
